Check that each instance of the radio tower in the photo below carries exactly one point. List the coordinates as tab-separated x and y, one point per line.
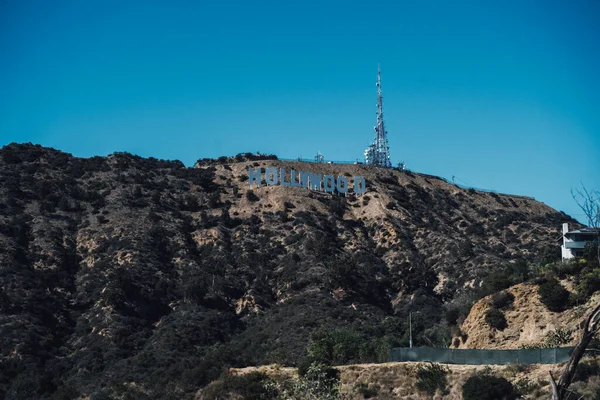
378	153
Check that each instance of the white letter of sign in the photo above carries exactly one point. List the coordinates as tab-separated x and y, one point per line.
329	183
271	176
294	179
282	181
254	176
315	181
342	184
360	185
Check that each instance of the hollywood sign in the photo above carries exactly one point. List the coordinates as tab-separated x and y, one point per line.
307	180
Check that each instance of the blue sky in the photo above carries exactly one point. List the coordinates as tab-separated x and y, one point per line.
502	95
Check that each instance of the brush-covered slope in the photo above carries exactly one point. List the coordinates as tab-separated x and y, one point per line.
529	323
123	275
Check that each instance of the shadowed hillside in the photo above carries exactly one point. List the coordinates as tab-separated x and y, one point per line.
129	276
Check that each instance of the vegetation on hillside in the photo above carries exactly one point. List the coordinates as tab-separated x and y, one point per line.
129	277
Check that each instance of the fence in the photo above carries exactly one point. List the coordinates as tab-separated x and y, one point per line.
312	160
476	356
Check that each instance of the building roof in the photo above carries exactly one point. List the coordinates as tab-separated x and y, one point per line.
585	231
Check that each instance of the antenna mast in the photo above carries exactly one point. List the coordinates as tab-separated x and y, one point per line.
378	153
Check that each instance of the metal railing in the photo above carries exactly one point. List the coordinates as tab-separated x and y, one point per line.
310	160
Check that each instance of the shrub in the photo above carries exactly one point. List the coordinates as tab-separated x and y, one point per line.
502	299
452	315
489	387
431	378
586	369
304	364
322	373
558	337
495	318
336	206
319	382
548	255
335	346
438	335
588	284
251	196
459	307
553	295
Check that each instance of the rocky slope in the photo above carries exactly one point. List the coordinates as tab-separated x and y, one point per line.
529	322
124	276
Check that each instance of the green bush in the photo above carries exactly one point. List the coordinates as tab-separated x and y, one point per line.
304	364
558	337
548	255
382	346
319	382
484	386
431	378
589	283
335	346
553	295
495	318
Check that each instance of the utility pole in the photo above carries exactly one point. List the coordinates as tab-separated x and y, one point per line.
378	153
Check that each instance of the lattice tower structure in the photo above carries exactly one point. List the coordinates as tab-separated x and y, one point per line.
378	153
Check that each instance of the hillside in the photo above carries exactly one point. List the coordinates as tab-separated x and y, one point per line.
529	322
400	380
129	276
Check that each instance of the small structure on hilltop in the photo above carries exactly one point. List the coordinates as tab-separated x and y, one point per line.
378	153
319	158
573	242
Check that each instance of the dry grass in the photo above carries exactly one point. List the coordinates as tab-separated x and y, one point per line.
398	380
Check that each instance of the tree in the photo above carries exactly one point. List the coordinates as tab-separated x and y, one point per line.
589	202
590	328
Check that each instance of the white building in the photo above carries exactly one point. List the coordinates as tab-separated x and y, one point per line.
574	242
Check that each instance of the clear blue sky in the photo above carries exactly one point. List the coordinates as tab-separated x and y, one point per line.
503	95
